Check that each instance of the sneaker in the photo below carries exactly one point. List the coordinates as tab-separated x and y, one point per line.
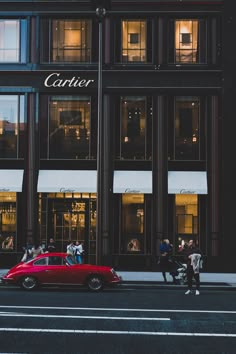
188	292
197	292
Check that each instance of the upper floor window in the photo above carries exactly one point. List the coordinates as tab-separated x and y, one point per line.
68	128
135	123
12	41
134	41
189	41
12	126
71	41
187	118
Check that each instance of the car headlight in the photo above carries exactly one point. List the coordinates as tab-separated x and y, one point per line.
114	272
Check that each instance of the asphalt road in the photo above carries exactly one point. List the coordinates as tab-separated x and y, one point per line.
122	320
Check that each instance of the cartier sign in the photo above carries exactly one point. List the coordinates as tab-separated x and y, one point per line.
54	80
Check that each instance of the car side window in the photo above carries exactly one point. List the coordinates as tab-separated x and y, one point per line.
41	262
54	260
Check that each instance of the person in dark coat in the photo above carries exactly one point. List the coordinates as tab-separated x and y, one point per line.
51	245
166	265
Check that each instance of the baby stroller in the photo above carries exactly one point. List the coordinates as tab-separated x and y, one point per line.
179	271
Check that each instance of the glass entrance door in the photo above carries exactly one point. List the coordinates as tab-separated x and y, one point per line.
69	221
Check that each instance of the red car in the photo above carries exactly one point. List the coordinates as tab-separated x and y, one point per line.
60	269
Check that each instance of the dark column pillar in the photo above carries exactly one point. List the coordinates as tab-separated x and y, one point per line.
214	177
106	184
31	188
107	34
160	177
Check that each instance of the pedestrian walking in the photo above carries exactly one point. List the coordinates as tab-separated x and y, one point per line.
165	262
79	252
194	264
36	250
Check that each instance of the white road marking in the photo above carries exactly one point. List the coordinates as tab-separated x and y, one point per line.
116	309
76	331
9	314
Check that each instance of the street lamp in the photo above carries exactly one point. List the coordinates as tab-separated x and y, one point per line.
100	14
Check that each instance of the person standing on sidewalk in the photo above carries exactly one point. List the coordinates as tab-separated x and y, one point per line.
165	262
193	258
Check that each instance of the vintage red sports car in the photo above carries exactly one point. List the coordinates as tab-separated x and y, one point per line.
60	269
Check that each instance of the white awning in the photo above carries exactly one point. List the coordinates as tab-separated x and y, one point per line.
70	181
187	182
11	180
132	182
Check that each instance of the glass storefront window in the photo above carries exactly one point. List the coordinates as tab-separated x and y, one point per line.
71	41
186	207
12	41
12	126
7	222
133	129
190	39
69	127
187	114
66	219
134	41
132	223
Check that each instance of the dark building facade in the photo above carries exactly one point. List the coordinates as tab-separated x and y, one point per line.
116	128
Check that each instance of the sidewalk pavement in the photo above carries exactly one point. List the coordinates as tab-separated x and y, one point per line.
155	279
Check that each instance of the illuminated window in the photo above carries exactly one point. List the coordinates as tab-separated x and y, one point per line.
186	206
190	41
134	41
133	222
71	41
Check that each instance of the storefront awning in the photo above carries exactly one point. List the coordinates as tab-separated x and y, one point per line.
187	182
11	180
60	181
132	182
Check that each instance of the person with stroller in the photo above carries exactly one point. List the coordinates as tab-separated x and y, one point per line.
165	262
193	259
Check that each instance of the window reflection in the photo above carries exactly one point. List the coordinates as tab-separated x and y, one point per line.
71	40
69	127
134	46
187	110
12	126
133	222
133	128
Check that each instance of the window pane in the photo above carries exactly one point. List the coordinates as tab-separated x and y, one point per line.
12	127
186	207
187	111
134	45
133	222
186	41
7	221
9	40
133	128
69	127
71	40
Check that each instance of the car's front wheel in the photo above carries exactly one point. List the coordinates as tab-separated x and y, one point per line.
29	283
95	283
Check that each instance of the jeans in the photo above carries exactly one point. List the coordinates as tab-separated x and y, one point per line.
79	259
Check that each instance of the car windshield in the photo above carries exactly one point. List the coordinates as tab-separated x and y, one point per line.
70	260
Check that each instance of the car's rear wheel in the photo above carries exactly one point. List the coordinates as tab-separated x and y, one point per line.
29	283
95	283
